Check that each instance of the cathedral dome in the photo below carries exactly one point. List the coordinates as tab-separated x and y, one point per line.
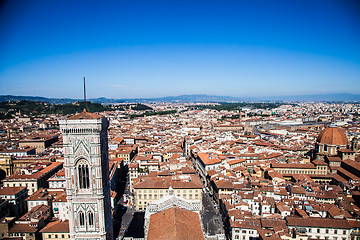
332	136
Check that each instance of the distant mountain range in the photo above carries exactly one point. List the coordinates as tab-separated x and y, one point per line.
338	97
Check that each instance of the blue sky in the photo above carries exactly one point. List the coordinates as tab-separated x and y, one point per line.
131	49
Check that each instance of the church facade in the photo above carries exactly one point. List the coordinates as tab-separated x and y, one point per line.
87	176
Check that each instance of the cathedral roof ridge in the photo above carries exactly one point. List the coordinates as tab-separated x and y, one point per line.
84	115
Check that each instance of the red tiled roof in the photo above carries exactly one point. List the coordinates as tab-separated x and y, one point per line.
84	115
318	222
166	182
11	190
180	224
332	136
293	165
57	226
208	161
22	228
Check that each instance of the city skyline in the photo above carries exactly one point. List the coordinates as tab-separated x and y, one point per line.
156	49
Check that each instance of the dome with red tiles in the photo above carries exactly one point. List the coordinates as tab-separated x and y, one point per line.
332	136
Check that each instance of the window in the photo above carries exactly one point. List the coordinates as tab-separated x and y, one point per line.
91	219
83	171
49	236
62	236
82	219
56	236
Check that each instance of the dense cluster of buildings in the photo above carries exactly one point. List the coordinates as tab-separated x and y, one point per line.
290	172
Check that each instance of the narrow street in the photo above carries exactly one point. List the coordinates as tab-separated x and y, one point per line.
210	216
127	221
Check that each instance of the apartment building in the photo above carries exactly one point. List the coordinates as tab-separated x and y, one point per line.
150	189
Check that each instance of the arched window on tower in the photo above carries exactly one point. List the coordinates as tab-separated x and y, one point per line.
91	219
83	174
81	219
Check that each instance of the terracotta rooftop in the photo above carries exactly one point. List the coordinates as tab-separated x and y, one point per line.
36	212
332	136
22	228
192	181
318	222
207	160
180	224
84	115
57	226
293	165
11	190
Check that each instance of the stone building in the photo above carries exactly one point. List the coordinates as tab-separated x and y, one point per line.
85	142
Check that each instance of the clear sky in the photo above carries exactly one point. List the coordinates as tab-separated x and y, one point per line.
131	48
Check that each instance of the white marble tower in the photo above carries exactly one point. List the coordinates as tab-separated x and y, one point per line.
87	176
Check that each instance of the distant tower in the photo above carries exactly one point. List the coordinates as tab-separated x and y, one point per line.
8	133
87	176
240	117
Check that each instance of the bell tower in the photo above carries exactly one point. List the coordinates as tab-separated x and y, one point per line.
85	143
87	176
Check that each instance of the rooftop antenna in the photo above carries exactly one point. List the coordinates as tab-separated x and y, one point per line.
84	96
